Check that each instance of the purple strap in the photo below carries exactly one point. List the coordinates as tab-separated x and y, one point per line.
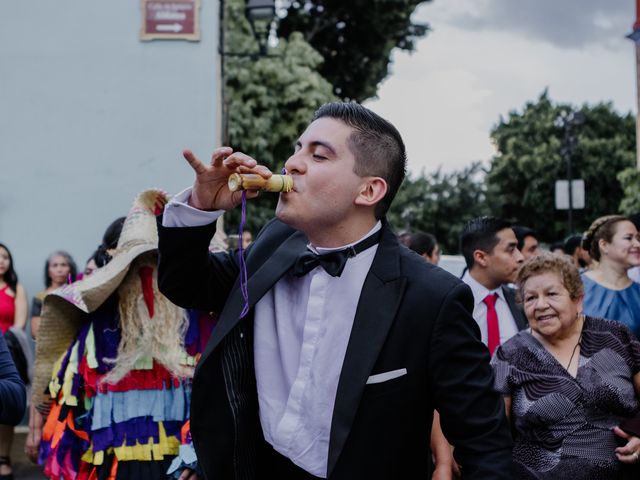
243	265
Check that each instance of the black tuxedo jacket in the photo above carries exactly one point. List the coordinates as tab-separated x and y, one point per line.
410	315
516	309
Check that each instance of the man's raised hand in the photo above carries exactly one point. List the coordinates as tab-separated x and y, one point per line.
210	189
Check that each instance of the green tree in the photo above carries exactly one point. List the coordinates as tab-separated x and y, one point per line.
355	38
521	179
268	101
630	182
440	204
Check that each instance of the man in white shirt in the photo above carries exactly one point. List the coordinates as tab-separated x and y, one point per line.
490	249
329	360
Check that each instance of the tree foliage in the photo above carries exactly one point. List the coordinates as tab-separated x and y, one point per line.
269	100
440	203
521	179
354	37
630	182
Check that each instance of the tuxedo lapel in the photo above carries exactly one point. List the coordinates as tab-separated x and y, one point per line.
258	284
516	310
377	307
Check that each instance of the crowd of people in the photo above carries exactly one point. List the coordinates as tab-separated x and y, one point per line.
565	353
328	346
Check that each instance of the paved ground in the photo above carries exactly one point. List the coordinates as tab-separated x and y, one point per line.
23	469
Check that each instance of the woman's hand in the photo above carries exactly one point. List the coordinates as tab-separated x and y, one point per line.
32	444
629	453
210	189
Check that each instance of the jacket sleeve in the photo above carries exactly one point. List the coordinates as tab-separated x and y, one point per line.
188	274
12	391
471	412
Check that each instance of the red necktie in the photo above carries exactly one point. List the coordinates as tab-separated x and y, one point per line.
493	330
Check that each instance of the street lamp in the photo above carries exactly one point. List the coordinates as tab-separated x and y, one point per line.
568	120
260	14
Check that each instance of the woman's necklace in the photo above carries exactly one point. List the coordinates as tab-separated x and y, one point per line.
573	352
576	346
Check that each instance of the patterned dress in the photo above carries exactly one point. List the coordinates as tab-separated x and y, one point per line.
133	429
563	425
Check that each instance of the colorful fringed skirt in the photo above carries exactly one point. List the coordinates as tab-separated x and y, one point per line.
132	429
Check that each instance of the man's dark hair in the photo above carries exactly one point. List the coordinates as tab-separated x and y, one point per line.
480	233
376	145
522	233
556	246
422	242
571	244
404	238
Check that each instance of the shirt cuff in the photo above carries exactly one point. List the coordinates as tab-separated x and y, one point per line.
178	213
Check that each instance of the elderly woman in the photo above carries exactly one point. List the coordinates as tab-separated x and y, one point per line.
570	383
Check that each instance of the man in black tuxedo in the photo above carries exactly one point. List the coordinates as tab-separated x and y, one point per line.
336	368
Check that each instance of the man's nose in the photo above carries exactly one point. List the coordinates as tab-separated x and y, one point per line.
518	255
295	164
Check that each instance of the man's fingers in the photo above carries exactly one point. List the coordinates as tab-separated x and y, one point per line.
196	164
238	159
219	154
263	171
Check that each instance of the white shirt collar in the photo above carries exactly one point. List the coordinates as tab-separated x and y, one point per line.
322	250
479	291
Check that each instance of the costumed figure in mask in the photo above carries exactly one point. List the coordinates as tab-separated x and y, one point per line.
117	398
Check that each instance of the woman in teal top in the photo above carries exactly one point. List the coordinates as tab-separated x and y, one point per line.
614	243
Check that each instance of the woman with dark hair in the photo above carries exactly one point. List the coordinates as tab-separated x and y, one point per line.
612	241
13	299
58	270
103	253
13	313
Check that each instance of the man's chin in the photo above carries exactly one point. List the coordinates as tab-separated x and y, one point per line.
281	214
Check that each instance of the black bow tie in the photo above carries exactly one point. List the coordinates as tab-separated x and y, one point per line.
332	262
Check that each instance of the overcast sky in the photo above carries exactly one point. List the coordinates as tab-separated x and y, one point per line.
485	58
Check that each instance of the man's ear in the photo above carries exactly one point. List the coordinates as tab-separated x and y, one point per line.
480	258
372	191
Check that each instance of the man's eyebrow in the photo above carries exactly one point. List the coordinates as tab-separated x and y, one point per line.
318	143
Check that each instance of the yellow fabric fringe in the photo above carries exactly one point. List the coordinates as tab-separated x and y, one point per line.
145	452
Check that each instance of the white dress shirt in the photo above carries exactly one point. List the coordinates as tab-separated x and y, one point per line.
301	330
506	323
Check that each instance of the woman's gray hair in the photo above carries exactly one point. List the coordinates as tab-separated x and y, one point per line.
548	262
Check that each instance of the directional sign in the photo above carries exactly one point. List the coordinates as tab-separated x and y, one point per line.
170	19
